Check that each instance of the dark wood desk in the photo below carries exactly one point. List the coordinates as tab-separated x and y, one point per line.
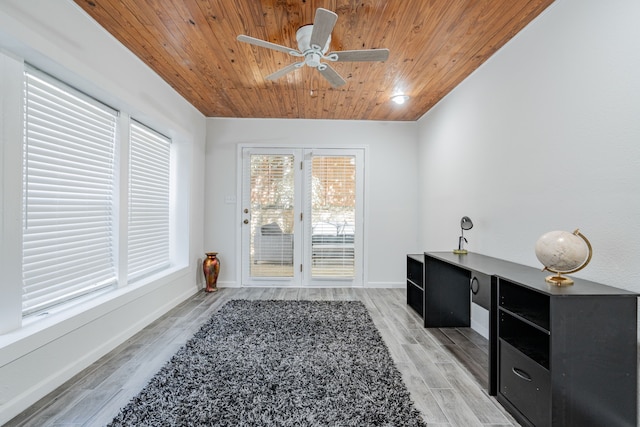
558	356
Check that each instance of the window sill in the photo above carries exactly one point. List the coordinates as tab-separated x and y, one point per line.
37	331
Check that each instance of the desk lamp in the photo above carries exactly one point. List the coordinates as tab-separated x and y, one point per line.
465	224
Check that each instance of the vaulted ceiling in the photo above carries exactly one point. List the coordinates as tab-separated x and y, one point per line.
433	44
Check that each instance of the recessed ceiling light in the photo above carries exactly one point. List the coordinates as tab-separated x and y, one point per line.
400	98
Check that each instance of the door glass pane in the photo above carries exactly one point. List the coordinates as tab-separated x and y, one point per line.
333	208
272	215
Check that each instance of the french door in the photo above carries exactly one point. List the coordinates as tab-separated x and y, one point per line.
302	216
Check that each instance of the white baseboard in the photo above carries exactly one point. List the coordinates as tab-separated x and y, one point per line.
387	285
228	284
381	285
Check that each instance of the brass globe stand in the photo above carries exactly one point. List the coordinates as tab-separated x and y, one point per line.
558	279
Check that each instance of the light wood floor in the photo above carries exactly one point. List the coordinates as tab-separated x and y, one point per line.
444	369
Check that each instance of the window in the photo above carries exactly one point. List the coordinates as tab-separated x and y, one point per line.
149	189
68	194
71	200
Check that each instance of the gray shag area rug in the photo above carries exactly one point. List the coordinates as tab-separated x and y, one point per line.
278	363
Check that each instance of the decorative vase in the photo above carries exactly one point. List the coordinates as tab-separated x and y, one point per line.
211	269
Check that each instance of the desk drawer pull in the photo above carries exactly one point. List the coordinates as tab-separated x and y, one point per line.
522	374
475	289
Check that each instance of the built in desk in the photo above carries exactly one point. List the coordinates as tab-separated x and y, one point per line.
558	356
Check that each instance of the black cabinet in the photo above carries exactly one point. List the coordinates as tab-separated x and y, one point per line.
558	356
567	357
415	282
524	381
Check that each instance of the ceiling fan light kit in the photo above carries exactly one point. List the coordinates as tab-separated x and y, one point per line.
313	44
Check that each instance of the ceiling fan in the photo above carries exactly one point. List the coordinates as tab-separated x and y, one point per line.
313	44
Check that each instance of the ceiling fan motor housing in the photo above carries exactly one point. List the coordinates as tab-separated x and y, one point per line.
312	54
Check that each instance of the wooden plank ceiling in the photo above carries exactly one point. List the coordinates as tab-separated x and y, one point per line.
434	45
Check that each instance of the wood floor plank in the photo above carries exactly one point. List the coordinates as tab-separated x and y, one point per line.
477	368
395	348
403	313
438	336
402	334
430	372
421	395
47	409
375	302
280	293
343	294
464	343
476	338
436	353
447	385
77	414
291	293
425	338
105	414
455	408
303	294
483	406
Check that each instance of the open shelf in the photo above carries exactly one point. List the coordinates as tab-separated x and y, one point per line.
527	304
415	286
529	340
415	269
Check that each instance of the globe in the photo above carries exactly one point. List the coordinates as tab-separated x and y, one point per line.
562	252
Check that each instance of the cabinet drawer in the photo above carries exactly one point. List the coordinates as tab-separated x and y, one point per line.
525	384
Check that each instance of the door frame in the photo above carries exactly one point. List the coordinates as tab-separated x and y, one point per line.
361	267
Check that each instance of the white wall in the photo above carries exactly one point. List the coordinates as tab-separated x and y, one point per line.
544	136
57	36
391	186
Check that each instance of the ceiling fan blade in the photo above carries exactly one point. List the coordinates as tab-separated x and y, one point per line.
268	45
331	75
281	72
323	24
359	55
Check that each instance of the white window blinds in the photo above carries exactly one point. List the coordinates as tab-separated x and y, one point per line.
333	216
68	193
272	215
149	191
